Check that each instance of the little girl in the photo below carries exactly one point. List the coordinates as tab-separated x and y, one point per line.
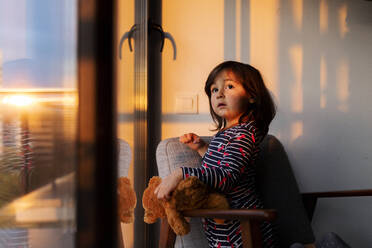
242	110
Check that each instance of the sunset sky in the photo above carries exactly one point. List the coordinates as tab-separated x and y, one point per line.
37	43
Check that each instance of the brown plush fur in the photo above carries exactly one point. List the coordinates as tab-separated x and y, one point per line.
153	207
189	194
126	200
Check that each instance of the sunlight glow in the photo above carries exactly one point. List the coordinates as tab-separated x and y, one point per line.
296	130
238	24
264	26
323	16
343	86
18	100
323	82
296	58
342	15
297	12
24	97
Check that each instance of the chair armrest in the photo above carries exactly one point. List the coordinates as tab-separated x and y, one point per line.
241	214
250	220
344	193
310	199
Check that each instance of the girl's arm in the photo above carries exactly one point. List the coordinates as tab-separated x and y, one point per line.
168	184
237	156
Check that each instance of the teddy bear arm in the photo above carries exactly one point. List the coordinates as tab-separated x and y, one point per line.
127	216
177	221
150	217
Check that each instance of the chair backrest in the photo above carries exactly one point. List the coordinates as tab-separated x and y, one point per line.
170	155
275	181
124	158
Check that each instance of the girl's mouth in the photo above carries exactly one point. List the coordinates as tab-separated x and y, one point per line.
221	105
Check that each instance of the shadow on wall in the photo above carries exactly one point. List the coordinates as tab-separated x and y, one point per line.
324	92
322	89
322	52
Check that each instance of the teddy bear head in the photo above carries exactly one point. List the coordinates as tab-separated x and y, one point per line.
190	193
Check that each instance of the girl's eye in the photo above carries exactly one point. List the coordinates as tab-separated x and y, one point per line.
214	90
230	86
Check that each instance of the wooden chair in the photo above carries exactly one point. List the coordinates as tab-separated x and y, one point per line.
290	211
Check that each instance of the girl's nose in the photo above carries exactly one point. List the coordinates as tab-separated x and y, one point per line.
220	93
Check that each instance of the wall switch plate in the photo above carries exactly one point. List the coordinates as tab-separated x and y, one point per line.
186	103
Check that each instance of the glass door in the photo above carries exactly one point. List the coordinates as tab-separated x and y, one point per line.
131	67
140	42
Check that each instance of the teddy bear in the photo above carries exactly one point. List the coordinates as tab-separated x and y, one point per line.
127	200
189	194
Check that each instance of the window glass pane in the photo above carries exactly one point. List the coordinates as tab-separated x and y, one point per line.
38	121
127	64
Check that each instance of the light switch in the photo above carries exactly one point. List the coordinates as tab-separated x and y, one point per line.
186	104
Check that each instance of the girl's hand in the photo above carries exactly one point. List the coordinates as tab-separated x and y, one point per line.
168	184
194	142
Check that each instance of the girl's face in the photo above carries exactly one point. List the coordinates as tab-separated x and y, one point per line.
228	97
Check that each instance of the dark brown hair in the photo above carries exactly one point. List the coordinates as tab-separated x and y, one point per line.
262	110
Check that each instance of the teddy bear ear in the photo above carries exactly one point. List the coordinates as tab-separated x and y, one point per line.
124	180
155	180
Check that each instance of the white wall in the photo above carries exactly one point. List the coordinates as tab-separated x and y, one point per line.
316	58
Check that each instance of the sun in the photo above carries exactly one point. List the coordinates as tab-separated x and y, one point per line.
18	100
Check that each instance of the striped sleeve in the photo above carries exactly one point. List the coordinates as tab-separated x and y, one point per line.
228	170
